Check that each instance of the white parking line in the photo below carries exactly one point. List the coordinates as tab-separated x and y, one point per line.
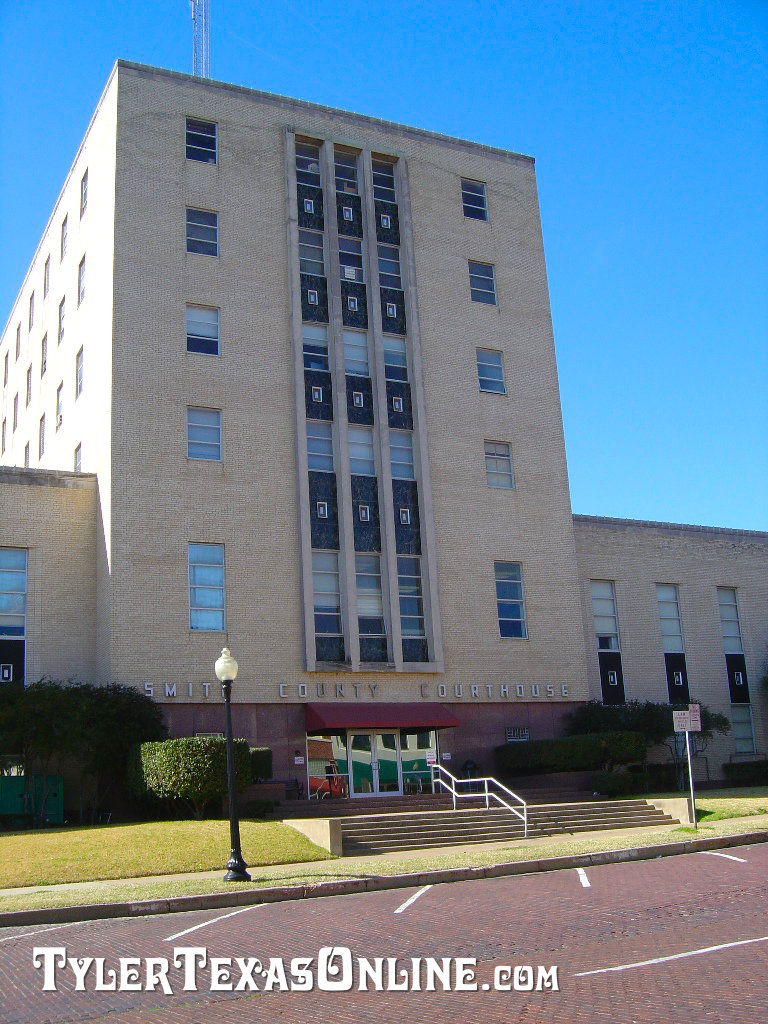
53	928
674	956
728	856
583	877
412	899
205	924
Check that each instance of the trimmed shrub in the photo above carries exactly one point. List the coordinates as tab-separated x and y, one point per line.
258	809
261	764
569	753
191	769
614	783
746	773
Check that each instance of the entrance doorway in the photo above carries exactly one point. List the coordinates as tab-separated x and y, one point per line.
374	762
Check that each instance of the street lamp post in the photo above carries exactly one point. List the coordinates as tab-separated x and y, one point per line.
226	673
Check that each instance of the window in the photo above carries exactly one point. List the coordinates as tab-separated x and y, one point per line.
395	358
364	513
389	266
326	593
309	206
81	281
2	441
206	587
308	164
46	276
29	385
79	372
315	342
18	340
62	310
351	259
352	303
59	405
63	240
43	355
386	221
203	330
391	309
346	171
79	459
743	732
358	399
5	370
320	445
311	260
317	393
84	192
401	454
26	455
509	599
604	614
669	616
201	141
397	403
322	509
204	434
13	591
203	232
474	198
15	410
729	620
498	464
370	612
41	437
384	181
490	371
31	310
411	596
356	353
405	516
482	284
361	456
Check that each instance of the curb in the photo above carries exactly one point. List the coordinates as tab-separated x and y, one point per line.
279	894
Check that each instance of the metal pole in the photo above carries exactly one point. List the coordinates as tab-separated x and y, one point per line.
690	779
235	865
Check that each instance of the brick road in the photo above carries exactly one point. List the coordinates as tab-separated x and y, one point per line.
629	913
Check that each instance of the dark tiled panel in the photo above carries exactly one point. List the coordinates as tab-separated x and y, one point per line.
359	317
390	235
352	227
365	491
393	324
325	532
318	410
318	313
405	494
361	386
313	220
399	420
415	649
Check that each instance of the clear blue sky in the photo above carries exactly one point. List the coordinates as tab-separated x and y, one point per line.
649	124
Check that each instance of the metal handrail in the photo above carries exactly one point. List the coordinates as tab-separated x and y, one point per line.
438	771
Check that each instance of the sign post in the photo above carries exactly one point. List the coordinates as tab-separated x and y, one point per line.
687	722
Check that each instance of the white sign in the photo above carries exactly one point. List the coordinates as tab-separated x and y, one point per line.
694	711
298	760
446	756
431	757
681	721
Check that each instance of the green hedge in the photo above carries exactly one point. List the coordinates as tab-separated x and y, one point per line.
746	773
569	753
192	770
261	764
614	783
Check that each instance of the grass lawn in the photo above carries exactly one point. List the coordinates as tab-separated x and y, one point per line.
718	804
360	867
49	856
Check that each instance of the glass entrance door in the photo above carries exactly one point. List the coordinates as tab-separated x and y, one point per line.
374	763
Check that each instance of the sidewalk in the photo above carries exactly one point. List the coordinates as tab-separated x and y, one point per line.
354	874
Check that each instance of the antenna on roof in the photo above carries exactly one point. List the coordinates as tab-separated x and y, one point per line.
201	32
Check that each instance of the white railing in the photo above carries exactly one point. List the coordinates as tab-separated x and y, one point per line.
442	777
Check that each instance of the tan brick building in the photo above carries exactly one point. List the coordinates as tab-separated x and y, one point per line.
293	374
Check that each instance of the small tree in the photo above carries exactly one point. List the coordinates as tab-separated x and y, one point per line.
192	770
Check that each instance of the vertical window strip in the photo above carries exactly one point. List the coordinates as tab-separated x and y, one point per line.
361	451
669	618
482	283
510	603
498	464
730	626
13	592
320	445
384	180
401	454
327	593
604	614
315	344
490	371
308	164
356	361
411	596
206	587
204	434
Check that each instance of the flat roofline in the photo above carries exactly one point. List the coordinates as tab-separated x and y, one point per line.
45	477
649	524
277	100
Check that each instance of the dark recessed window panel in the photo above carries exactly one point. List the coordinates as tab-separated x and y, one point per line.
415	649
325	532
354	317
373	648
392	324
356	413
402	420
329	648
314	379
318	312
353	227
405	494
737	678
677	678
365	491
611	677
391	234
309	195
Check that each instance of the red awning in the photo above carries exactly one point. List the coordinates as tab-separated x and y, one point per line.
323	717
